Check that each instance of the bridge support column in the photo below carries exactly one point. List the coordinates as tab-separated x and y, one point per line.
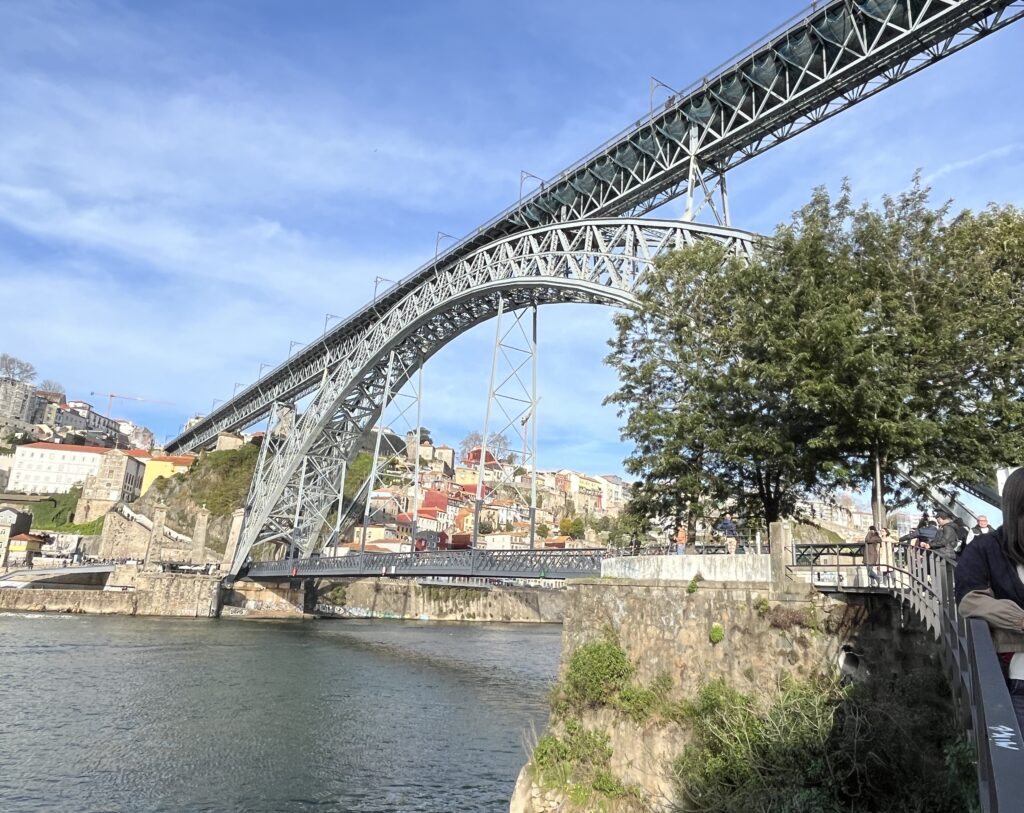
512	399
392	468
234	534
780	535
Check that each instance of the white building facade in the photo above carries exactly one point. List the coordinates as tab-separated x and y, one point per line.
53	468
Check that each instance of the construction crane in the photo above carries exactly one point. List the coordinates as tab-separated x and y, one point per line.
112	395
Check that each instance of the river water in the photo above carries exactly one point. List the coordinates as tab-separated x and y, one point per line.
132	714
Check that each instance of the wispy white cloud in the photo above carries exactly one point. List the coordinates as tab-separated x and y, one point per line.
188	189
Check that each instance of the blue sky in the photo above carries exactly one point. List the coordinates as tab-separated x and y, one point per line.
187	187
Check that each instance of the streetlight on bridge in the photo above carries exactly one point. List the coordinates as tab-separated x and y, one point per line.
327	319
523	175
291	346
437	244
657	83
262	365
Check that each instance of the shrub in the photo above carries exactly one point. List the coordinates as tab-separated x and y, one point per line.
597	672
762	606
820	747
717	633
637	703
691	588
604	782
662	684
784	618
573	757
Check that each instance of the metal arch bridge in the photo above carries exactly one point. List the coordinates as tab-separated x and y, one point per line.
298	475
549	248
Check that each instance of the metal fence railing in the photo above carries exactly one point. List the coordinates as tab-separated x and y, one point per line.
924	580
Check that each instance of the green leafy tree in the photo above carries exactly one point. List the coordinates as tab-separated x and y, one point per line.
572	527
902	363
543	530
486	527
707	401
855	340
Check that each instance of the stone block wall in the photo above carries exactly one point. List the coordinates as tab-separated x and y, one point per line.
665	628
136	593
86	510
255	600
122	538
400	599
717	568
174	594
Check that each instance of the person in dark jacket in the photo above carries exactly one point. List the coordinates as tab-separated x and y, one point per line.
924	534
945	540
727	528
982	527
990	585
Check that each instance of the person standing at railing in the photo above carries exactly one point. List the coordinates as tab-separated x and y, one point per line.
946	539
872	543
886	555
990	585
727	528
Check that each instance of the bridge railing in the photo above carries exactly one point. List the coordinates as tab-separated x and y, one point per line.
540	564
924	580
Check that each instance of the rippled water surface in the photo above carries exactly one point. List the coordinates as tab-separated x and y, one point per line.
129	714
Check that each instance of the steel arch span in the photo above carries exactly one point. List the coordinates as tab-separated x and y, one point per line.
298	475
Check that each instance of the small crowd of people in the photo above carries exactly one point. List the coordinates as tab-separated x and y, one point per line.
945	534
989	575
989	584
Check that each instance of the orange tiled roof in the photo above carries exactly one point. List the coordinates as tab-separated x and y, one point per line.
67	447
176	459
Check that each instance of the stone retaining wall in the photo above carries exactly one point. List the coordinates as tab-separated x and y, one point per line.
750	567
167	594
767	635
394	598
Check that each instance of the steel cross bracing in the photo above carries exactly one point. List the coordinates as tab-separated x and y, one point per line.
509	475
817	64
599	261
395	477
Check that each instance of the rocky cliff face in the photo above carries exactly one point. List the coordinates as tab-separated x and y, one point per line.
217	480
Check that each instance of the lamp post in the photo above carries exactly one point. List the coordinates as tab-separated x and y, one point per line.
437	243
216	401
262	365
234	392
327	319
523	175
291	346
657	83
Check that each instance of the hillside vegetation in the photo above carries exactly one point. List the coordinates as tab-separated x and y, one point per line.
54	513
218	481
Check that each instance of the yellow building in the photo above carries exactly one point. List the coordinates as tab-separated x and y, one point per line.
23	548
166	466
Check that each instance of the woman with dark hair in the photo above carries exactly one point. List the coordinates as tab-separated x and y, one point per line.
990	585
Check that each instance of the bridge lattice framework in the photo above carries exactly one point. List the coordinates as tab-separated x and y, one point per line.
549	247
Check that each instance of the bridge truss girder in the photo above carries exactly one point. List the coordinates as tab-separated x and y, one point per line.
598	261
733	114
